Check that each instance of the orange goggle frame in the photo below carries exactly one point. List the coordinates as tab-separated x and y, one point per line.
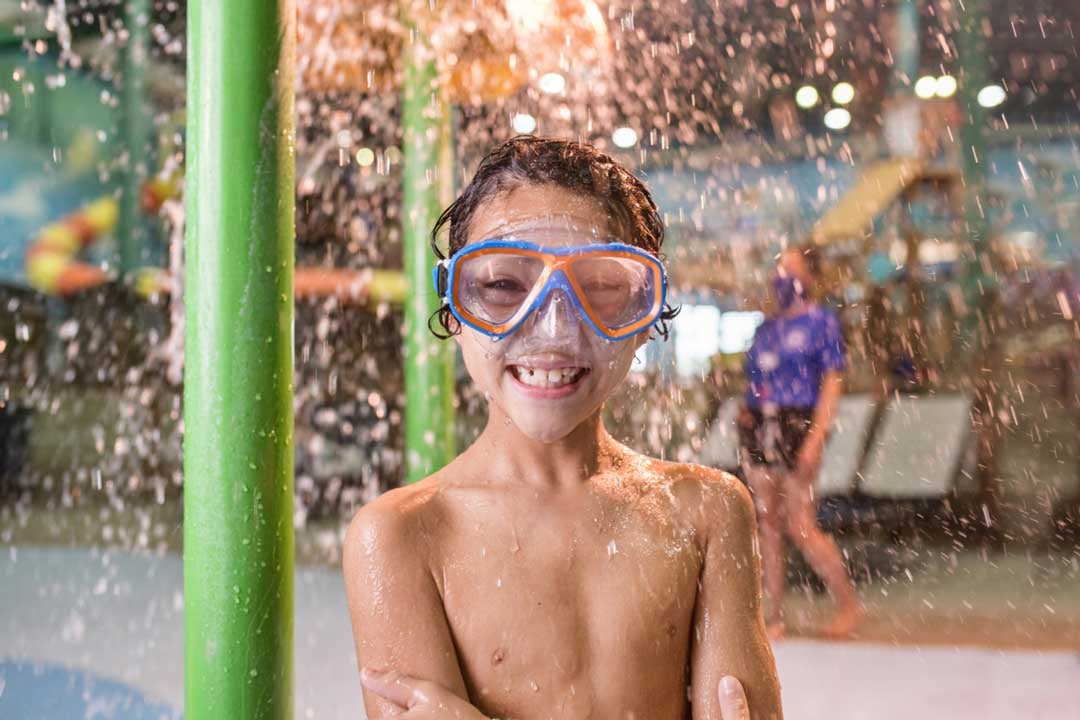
446	276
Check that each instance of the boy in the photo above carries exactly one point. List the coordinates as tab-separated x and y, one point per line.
548	571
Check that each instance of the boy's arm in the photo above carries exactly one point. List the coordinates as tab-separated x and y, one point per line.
397	614
729	630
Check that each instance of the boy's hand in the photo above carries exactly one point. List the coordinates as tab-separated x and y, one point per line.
419	699
733	704
423	700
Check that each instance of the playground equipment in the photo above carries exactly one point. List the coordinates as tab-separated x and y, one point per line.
51	266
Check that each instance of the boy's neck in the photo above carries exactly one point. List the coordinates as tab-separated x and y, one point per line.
562	465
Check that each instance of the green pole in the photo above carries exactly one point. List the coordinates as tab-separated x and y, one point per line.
971	42
135	132
238	395
429	378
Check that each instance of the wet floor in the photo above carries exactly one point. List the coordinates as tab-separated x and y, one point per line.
118	615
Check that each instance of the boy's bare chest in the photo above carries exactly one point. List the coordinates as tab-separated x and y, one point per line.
550	597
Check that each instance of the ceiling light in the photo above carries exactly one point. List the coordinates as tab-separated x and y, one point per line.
926	87
946	86
624	137
552	83
806	96
843	93
837	119
524	123
365	156
991	96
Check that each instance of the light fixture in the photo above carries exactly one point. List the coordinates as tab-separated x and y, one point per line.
365	156
524	123
837	119
991	96
926	87
624	137
945	86
843	93
806	96
552	83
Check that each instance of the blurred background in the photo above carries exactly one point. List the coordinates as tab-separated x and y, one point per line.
930	148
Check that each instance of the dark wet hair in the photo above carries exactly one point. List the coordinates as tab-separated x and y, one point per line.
574	166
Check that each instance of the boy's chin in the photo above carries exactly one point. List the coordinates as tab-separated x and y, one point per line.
545	429
545	434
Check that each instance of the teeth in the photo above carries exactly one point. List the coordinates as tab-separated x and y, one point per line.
546	378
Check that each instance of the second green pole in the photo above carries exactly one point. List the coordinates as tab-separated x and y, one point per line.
429	378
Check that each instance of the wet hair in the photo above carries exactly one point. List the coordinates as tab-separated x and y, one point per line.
580	168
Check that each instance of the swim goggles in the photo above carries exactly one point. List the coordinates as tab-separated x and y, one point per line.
495	285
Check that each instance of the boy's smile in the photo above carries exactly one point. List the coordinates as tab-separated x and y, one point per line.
547	378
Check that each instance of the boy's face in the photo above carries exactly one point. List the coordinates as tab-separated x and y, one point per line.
553	372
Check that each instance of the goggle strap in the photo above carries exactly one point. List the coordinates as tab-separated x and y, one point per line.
440	276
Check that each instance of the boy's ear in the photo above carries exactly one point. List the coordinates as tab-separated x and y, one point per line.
640	339
455	329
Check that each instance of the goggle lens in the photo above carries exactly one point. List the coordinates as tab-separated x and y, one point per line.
618	291
493	287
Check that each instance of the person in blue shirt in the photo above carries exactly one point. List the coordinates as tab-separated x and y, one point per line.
794	372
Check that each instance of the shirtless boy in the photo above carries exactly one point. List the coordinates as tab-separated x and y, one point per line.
549	571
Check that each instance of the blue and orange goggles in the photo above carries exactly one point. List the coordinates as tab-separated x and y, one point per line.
493	286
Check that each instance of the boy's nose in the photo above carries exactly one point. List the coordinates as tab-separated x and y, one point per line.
557	317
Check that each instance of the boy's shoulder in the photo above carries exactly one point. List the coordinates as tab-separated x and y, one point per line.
398	517
707	478
708	492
